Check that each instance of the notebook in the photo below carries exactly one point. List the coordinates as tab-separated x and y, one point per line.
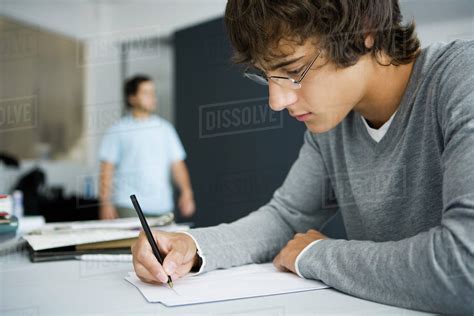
246	281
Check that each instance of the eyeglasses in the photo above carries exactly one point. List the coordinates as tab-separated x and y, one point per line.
261	78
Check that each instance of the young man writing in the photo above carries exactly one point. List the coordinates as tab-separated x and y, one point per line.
139	155
390	133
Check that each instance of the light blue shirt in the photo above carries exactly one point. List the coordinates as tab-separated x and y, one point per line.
142	151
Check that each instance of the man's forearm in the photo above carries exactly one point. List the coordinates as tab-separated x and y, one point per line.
105	189
181	177
430	271
295	207
255	238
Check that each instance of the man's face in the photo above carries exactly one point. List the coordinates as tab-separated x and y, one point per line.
327	94
145	98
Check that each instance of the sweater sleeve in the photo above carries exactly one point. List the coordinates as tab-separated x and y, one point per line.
434	270
296	206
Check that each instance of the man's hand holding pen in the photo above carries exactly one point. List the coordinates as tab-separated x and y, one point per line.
180	257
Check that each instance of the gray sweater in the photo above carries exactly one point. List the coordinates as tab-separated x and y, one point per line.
407	201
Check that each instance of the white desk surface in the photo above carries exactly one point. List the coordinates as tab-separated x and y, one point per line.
99	288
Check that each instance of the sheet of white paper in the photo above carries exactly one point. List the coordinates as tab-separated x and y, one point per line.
219	285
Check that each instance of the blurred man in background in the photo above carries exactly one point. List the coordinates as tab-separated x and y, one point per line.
139	155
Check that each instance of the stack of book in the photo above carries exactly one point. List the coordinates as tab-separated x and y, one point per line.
74	240
8	222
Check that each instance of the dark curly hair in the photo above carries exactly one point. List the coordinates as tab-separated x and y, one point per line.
255	28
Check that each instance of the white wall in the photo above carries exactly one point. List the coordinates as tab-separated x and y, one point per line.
440	20
81	18
103	99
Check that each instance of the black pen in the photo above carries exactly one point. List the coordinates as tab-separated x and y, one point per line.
148	233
